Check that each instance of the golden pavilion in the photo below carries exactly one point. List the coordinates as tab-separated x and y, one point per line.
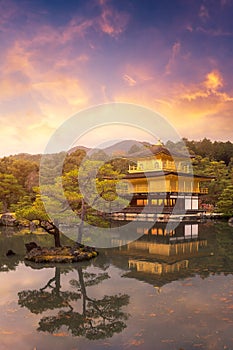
160	181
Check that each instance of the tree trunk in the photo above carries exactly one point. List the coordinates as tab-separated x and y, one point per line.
57	281
57	237
80	233
80	228
83	288
5	206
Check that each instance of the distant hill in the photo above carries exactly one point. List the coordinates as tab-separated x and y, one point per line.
125	147
217	150
26	156
83	148
120	148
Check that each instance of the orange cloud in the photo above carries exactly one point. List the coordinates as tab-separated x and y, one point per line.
60	95
12	86
210	86
188	107
17	58
54	72
38	92
213	81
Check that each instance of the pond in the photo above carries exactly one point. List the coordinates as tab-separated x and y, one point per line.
160	292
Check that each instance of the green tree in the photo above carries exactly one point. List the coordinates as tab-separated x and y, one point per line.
52	199
220	173
120	164
98	154
91	190
51	167
225	203
215	151
73	160
21	169
10	191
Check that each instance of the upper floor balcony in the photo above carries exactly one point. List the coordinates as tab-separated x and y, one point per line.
159	166
175	189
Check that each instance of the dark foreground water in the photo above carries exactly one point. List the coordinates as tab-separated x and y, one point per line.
160	292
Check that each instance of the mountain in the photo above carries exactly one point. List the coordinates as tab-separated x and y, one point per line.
83	148
124	147
118	149
25	156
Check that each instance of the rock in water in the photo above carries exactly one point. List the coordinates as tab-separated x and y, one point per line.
230	222
31	245
10	253
8	219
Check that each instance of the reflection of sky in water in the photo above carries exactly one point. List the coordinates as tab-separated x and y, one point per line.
187	313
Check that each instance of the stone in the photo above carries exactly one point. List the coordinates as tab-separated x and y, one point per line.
31	245
8	219
10	253
230	222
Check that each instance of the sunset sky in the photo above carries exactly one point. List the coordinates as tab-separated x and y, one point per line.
59	57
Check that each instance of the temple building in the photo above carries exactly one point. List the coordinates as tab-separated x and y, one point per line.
159	181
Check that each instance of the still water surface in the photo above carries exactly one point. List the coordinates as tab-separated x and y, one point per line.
161	292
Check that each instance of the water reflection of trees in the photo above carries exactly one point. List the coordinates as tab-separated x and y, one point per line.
82	315
48	297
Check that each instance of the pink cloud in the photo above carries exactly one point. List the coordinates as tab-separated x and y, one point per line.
76	29
225	2
214	32
136	73
53	72
112	21
203	13
174	53
9	11
129	80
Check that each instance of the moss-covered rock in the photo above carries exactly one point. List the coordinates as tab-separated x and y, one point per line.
8	219
61	255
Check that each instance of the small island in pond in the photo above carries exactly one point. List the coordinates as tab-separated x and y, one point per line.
64	254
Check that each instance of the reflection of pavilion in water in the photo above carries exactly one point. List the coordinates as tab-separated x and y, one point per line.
162	255
163	241
156	267
159	240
